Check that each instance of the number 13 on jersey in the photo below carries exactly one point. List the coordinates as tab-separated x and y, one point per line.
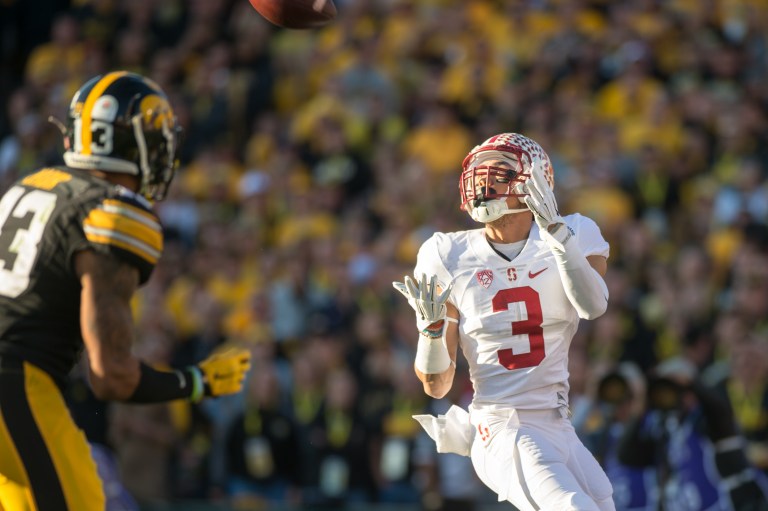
19	243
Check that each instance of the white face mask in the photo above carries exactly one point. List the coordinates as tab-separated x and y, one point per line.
493	209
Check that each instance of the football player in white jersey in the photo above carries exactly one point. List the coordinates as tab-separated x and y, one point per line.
511	294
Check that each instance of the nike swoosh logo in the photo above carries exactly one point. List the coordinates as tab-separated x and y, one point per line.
532	275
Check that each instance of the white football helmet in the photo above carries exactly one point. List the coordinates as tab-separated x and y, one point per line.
486	203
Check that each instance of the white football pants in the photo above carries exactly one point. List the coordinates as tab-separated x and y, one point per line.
533	459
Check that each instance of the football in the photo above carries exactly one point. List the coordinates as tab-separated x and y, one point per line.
296	13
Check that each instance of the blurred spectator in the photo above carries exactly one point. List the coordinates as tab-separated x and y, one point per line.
438	141
397	471
746	389
262	445
191	475
617	401
144	436
20	148
690	438
342	457
59	60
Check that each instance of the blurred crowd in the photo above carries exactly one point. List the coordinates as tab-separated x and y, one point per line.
314	163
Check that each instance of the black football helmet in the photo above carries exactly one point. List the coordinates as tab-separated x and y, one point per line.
122	122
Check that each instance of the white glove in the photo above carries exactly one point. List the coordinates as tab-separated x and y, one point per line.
429	306
540	199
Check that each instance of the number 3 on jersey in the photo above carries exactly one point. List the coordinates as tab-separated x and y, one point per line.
530	326
20	240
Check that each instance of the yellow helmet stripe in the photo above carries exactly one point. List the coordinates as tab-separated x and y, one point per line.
85	116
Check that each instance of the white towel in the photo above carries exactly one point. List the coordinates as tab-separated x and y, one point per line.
451	432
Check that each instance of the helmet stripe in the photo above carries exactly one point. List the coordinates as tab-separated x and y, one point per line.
96	92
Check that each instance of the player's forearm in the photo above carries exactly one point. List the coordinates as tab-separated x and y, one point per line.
115	373
113	378
586	290
108	335
106	324
583	285
437	378
437	385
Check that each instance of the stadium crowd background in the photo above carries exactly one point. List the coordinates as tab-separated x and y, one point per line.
314	164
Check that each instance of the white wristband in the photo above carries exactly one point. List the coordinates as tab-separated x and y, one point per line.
432	356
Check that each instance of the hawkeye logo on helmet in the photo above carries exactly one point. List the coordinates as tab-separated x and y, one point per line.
156	110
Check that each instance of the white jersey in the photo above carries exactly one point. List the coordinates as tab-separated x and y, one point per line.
516	323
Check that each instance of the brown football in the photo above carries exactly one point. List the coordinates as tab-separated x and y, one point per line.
296	13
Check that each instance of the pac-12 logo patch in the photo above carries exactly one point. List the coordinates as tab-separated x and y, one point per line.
485	277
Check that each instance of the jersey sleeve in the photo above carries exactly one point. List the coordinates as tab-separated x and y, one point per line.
125	227
591	241
429	261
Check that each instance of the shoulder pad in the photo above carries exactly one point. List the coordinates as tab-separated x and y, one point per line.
124	225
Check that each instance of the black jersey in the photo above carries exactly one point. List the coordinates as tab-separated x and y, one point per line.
45	218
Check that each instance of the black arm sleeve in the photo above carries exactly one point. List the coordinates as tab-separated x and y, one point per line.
161	386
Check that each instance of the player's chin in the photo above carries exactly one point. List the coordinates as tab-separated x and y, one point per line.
501	221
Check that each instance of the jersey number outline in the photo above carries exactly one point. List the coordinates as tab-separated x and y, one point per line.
530	326
19	202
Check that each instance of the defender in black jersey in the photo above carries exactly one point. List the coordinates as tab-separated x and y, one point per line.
75	243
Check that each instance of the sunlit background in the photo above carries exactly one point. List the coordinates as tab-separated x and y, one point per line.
315	163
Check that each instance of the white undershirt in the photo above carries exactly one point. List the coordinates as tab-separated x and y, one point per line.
511	250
